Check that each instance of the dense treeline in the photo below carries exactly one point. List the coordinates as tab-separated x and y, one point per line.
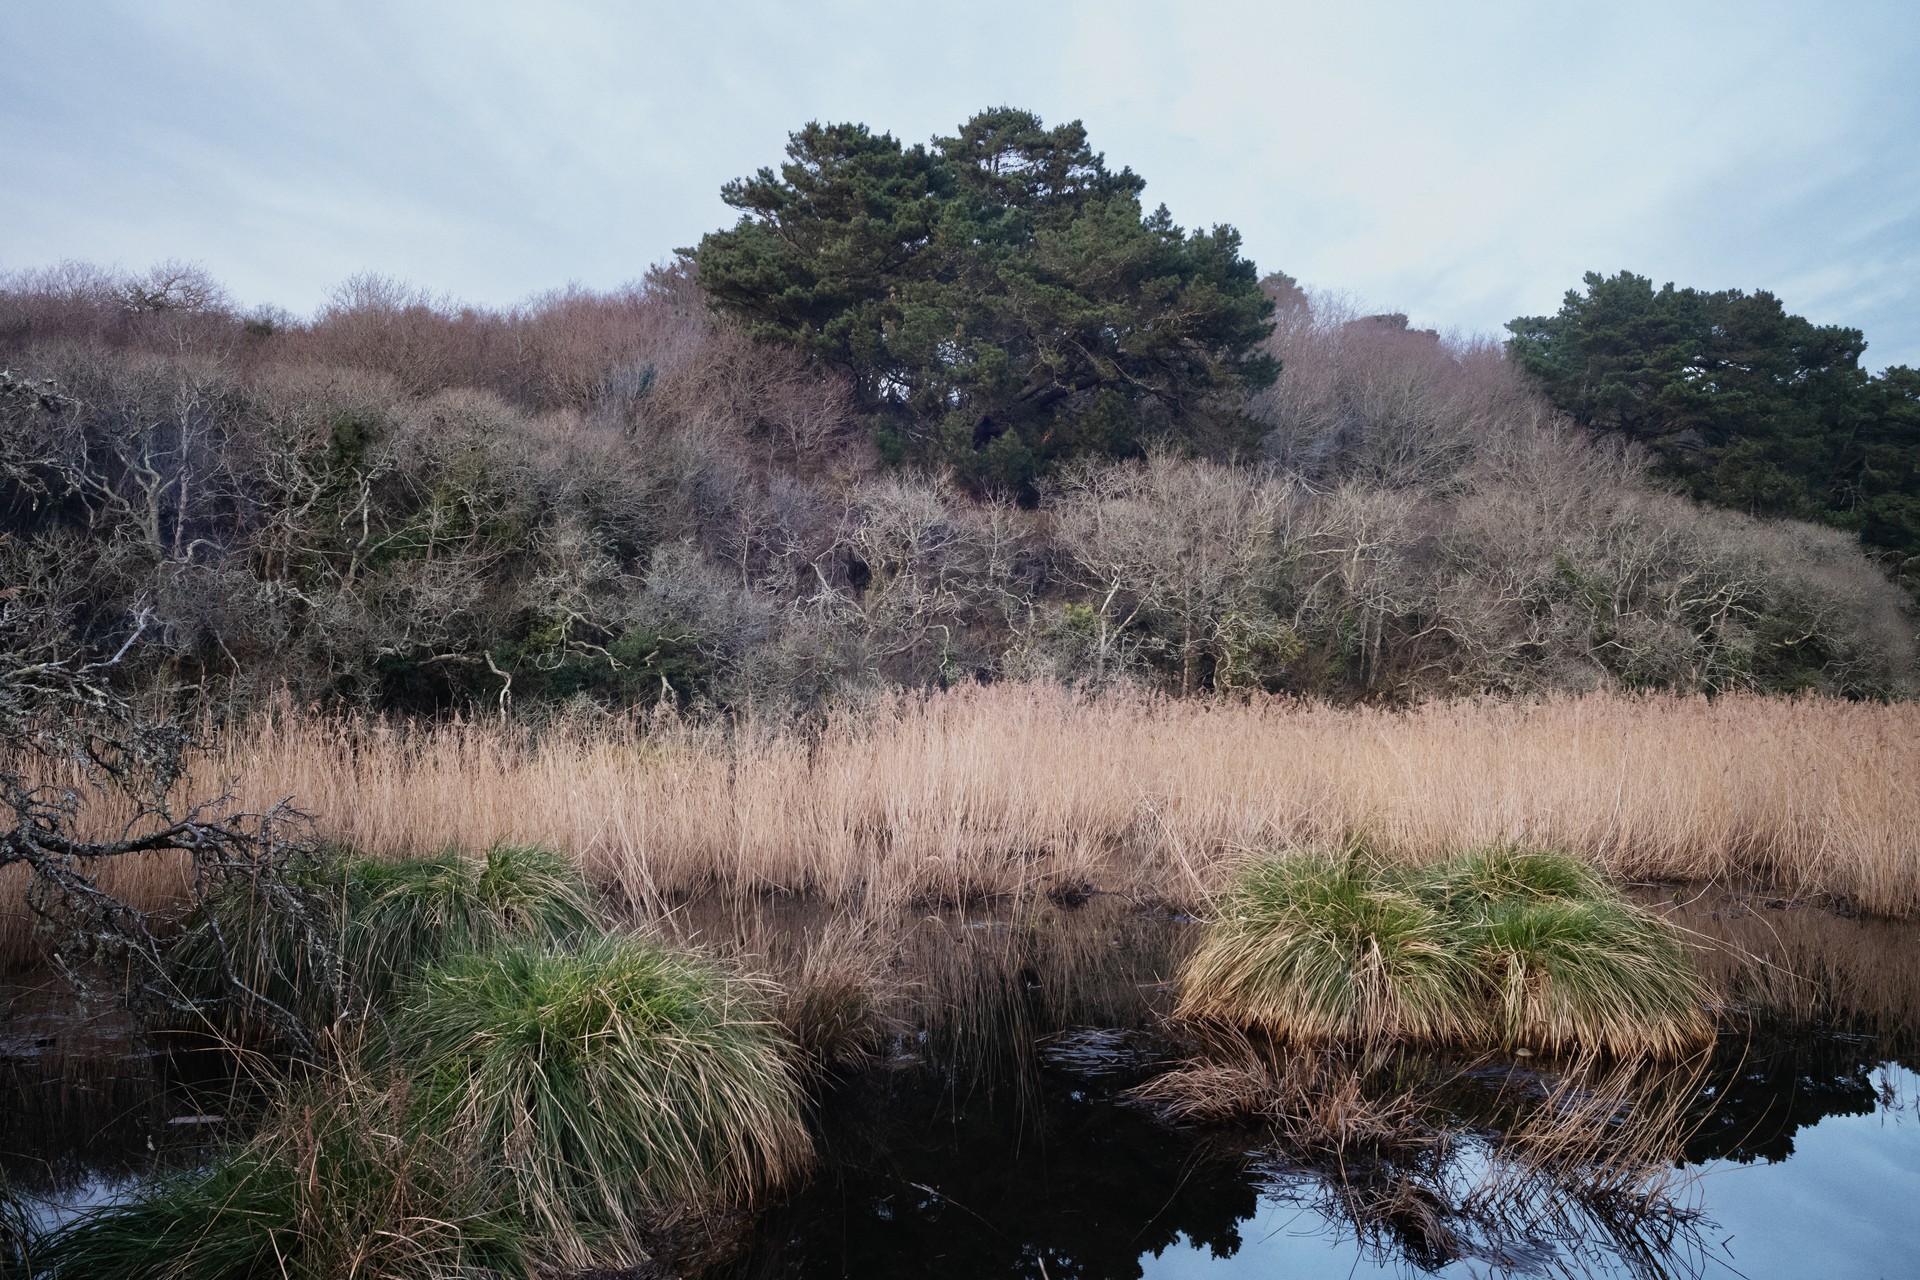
675	492
1747	405
408	504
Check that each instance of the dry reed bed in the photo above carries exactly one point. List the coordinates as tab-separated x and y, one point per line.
1026	788
1015	788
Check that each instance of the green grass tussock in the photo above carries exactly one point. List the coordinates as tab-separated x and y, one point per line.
341	1180
16	1231
1590	974
1505	873
539	1092
383	921
1325	948
537	1106
535	892
401	916
1571	964
1501	945
611	1080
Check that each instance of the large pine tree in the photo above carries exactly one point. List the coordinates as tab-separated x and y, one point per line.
1000	297
1746	404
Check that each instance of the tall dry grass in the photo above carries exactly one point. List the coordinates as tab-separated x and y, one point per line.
1016	789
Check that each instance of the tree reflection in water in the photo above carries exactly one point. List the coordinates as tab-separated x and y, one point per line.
1002	1140
998	1137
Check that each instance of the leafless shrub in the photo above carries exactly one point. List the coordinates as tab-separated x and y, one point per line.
1176	560
1366	398
913	573
90	780
381	506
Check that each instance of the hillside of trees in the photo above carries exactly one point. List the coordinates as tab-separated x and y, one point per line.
926	416
1745	405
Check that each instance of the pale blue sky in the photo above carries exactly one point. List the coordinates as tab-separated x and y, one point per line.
1463	162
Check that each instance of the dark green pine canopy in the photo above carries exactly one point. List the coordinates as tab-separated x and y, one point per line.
999	297
1748	405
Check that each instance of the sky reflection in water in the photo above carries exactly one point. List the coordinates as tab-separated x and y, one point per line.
1806	1161
1847	1204
996	1143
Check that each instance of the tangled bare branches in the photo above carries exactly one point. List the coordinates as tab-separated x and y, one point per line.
410	506
87	778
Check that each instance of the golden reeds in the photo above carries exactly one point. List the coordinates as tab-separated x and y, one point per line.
1017	789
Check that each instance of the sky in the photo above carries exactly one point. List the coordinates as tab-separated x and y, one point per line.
1464	163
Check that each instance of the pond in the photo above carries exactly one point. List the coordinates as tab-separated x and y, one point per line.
1000	1141
998	1136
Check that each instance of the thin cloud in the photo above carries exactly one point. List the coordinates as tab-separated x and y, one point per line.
1464	164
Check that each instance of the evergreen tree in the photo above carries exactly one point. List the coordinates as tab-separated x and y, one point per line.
1000	298
1747	405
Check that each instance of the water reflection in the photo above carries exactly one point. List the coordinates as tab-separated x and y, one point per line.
996	1135
87	1109
918	1178
1762	1093
1000	1142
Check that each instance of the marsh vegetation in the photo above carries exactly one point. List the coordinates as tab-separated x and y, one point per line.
583	777
1015	1085
501	1085
1498	947
1016	791
528	1059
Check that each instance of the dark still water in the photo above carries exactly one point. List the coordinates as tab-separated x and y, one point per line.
998	1139
920	1185
1000	1143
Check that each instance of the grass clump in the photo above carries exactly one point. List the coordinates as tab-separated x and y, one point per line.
1502	945
1321	948
369	924
1589	974
610	1080
1505	873
539	1092
401	916
1569	964
16	1231
830	995
341	1180
537	1105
